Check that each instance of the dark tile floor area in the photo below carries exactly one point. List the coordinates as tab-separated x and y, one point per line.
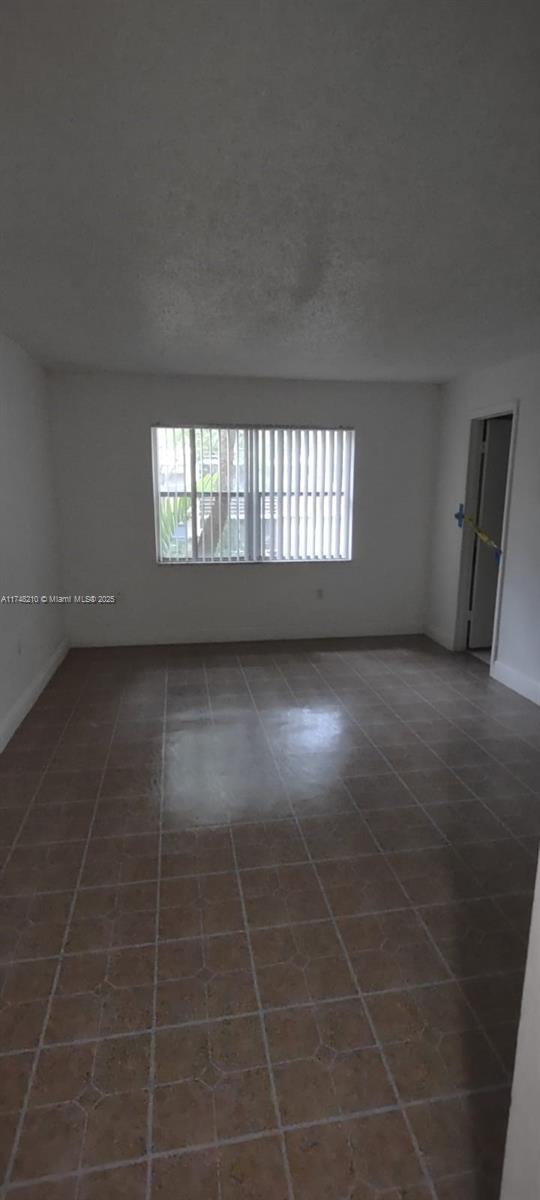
264	916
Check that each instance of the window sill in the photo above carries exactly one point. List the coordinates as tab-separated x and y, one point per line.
274	562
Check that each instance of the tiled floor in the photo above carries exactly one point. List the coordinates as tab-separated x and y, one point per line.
264	922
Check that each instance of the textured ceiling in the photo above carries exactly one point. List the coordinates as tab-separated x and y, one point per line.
318	188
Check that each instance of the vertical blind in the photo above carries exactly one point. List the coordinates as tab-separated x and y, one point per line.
252	495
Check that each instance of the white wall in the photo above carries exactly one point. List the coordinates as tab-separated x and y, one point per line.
31	636
518	653
101	425
517	663
522	1160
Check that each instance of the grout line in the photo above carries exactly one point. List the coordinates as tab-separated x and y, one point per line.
479	1024
390	675
263	1134
454	770
30	896
425	927
225	828
152	1063
32	802
119	947
48	1008
376	1040
478	1021
528	793
453	978
278	1008
264	1035
461	733
425	809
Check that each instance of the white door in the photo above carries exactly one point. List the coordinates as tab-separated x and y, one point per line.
490	517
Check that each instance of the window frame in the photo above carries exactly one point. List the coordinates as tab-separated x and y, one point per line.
347	493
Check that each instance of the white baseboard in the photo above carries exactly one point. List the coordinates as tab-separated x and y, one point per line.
253	633
516	680
22	706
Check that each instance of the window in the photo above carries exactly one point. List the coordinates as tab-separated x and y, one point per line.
253	495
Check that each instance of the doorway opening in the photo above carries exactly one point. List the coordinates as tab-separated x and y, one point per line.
485	504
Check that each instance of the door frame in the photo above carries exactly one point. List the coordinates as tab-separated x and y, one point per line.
476	417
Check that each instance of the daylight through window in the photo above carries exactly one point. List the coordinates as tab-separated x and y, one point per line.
253	495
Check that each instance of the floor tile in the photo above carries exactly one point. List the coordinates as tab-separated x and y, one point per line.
51	1141
181	1001
236	1045
491	779
72	787
8	1128
181	1054
119	1183
337	837
319	800
253	1169
372	804
435	875
21	1024
470	950
520	814
454	1063
299	963
457	1135
243	1103
113	1007
36	869
122	1064
65	822
121	860
14	1078
435	785
18	788
328	1161
404	829
503	1039
469	1186
65	1189
409	758
131	781
62	1074
361	886
183	1115
495	998
125	817
116	1128
330	1084
300	1032
390	950
379	792
267	845
282	895
517	910
196	852
501	867
194	1175
230	993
